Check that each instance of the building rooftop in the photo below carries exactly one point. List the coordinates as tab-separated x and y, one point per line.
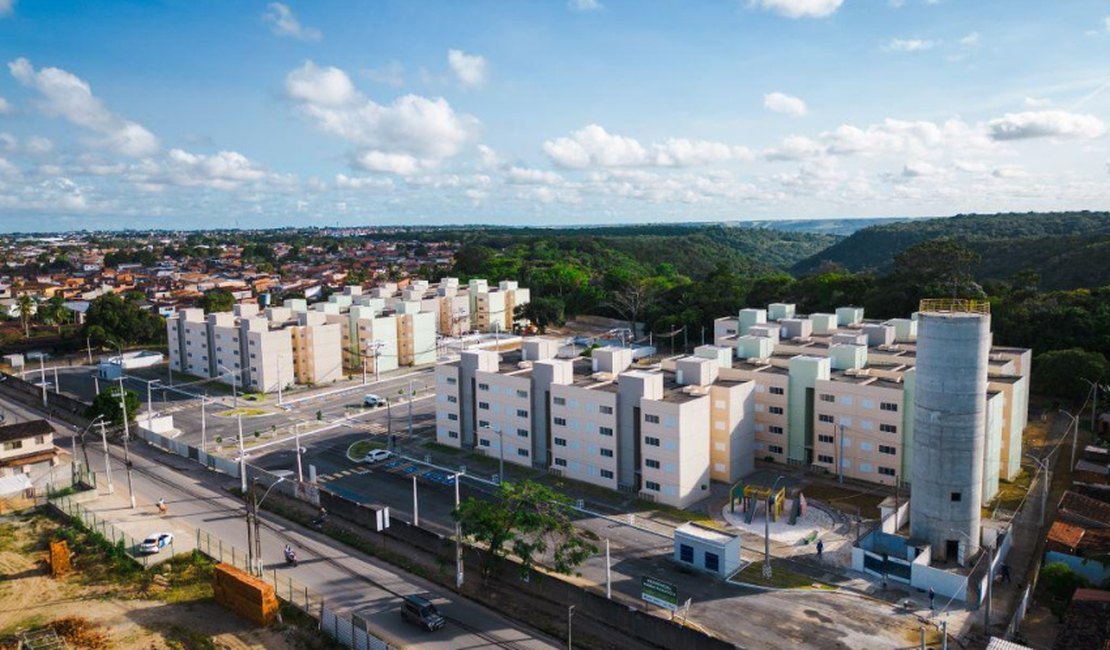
22	430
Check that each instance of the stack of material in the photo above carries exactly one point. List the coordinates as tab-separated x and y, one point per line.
245	595
59	558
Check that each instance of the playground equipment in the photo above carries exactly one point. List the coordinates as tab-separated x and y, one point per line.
750	496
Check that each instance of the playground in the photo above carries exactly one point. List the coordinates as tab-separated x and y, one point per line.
793	520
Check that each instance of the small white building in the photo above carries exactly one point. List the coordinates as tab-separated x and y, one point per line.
707	549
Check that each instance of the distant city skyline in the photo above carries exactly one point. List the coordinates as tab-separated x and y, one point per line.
175	115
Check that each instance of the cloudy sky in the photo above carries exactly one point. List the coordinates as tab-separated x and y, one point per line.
201	113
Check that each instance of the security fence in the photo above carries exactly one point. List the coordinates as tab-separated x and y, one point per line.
70	507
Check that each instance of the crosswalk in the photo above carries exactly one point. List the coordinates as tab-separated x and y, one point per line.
334	476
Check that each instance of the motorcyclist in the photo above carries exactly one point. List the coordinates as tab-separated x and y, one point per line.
290	555
162	507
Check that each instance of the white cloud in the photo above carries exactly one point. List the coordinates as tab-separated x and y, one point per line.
1038	124
37	145
71	97
425	130
394	163
783	103
1037	102
799	8
908	45
6	7
918	168
470	69
344	182
487	157
593	146
7	168
392	74
225	170
525	176
8	142
1106	23
795	147
284	23
1009	171
5	107
970	40
585	5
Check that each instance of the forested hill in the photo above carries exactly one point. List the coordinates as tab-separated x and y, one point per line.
1067	249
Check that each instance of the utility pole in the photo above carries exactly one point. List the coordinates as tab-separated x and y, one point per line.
42	379
126	438
608	572
458	541
411	395
242	458
297	441
250	530
107	461
415	504
96	383
57	385
203	425
840	457
149	406
279	378
570	627
88	347
257	528
944	634
990	589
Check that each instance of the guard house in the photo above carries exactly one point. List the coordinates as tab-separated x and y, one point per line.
707	549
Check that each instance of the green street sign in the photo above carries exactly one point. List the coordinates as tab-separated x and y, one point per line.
658	592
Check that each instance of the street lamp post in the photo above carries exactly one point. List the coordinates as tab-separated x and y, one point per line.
458	537
255	552
85	445
1043	465
203	424
1074	435
234	385
126	438
767	530
500	451
1095	387
107	460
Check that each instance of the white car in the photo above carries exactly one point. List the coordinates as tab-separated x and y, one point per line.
155	542
373	401
376	455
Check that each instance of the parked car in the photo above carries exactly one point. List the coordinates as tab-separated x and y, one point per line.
421	612
155	542
373	401
377	455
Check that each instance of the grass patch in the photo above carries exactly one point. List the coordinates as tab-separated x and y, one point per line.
7	536
782	577
1010	493
245	411
447	449
253	397
846	499
179	637
189	576
363	447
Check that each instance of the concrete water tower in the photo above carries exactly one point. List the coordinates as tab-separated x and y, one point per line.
949	426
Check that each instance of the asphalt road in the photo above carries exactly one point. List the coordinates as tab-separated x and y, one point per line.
346	579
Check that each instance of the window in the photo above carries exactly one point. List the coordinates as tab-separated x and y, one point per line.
957	496
451	399
454	417
483	405
560	462
776	390
774	449
522	452
482	424
651	442
825	417
825	397
888	406
888	428
712	562
823	458
521	413
775	429
653	464
825	438
522	393
40	440
686	553
452	434
606	453
775	410
607	410
559	401
452	381
482	442
886	471
605	473
561	422
483	386
654	419
523	433
560	442
14	444
651	485
887	449
605	431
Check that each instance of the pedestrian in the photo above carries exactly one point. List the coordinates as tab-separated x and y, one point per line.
932	597
1005	573
820	548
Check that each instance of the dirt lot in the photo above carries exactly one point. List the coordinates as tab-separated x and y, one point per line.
104	603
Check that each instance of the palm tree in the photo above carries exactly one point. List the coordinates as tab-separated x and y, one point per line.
26	304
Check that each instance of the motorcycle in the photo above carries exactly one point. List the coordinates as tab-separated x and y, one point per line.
318	522
291	557
162	507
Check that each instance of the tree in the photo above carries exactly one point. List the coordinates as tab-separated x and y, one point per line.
1061	372
115	320
106	403
632	301
217	300
1060	582
543	311
526	520
26	306
54	312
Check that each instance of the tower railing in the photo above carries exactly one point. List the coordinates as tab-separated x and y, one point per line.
955	305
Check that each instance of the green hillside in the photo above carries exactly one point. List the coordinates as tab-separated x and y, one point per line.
1067	249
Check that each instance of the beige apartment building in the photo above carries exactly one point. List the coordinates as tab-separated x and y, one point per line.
317	346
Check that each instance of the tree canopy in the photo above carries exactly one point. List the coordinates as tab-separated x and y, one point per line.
116	320
216	300
106	403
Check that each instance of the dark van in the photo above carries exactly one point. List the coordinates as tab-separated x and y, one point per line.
420	611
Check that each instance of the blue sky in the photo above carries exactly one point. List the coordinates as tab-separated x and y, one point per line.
213	113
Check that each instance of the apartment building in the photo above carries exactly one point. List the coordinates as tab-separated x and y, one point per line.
317	346
831	392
